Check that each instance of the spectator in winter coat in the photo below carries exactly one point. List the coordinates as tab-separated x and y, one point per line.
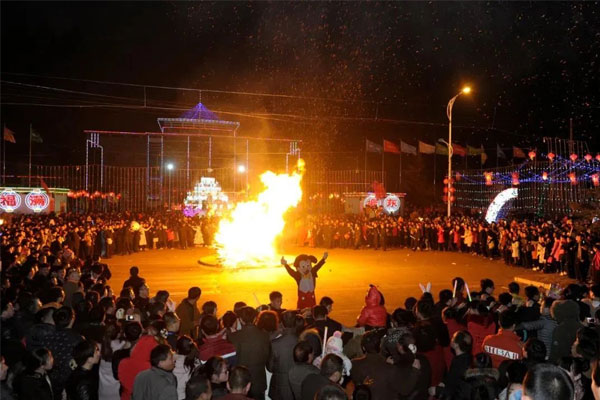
186	360
384	380
157	382
139	361
544	325
480	324
214	342
188	312
61	343
303	358
505	345
373	313
335	346
330	373
282	358
33	382
566	315
462	343
83	382
253	348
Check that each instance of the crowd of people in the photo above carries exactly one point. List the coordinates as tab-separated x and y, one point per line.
548	246
69	333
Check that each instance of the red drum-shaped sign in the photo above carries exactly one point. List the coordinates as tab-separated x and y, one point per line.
37	201
9	200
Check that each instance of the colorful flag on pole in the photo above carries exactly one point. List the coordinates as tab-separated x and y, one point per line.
9	135
35	137
441	149
373	147
426	148
474	151
390	147
499	152
518	153
407	148
459	150
484	156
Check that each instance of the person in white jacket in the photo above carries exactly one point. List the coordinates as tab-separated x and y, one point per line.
541	255
186	360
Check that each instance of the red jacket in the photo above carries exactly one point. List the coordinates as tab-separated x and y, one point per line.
373	313
480	327
138	361
216	345
505	345
453	327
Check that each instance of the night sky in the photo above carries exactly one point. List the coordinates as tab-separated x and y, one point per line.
351	69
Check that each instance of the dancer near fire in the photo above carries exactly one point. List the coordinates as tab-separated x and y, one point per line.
306	277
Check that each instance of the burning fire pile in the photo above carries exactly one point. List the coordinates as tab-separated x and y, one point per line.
247	237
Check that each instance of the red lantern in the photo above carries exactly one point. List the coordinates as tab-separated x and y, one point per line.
597	157
445	189
595	179
551	156
573	157
531	155
573	178
452	198
515	178
445	181
445	198
452	189
588	157
545	175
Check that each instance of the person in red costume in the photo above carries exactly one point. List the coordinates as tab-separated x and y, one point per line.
373	313
305	276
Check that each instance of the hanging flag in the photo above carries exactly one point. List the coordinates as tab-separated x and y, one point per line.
50	194
390	147
407	148
379	190
35	137
9	135
441	149
484	156
373	147
499	152
458	150
474	151
518	153
426	148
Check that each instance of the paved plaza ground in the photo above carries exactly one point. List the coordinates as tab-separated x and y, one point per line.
345	277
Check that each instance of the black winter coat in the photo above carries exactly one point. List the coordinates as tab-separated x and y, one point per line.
83	384
33	386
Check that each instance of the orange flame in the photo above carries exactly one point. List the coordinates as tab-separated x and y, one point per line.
248	236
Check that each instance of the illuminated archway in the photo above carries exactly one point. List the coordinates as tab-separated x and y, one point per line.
499	202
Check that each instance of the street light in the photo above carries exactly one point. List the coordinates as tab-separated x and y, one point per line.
241	168
170	168
465	90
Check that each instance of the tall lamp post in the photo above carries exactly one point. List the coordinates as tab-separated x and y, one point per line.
170	168
465	90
